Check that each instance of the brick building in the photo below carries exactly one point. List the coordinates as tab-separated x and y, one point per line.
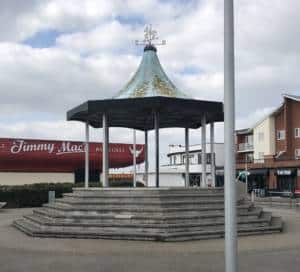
270	150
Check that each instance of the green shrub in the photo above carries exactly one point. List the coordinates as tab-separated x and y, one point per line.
31	195
35	195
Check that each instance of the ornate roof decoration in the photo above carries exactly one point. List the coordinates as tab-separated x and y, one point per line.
150	79
150	35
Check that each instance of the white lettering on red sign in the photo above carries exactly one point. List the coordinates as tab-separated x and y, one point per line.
67	147
21	146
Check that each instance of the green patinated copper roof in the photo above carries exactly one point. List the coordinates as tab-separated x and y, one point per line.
150	80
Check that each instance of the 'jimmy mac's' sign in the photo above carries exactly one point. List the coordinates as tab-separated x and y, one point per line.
61	156
58	148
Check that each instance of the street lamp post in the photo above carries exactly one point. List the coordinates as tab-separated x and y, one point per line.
246	178
231	262
87	156
134	158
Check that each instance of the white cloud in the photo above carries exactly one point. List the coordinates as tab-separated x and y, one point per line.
94	57
52	80
108	36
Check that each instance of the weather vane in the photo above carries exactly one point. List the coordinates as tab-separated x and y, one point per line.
150	36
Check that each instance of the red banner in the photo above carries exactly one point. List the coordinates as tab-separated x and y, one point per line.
29	155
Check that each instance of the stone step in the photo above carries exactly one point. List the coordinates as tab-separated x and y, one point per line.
128	224
132	202
275	226
132	220
140	197
32	229
43	224
138	209
145	192
254	212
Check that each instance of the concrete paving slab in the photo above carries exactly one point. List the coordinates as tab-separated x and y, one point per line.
19	252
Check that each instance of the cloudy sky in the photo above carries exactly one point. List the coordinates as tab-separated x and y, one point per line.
55	54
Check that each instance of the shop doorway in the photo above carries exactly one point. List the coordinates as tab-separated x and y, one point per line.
286	183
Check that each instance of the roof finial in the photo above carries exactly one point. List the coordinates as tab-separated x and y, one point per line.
150	36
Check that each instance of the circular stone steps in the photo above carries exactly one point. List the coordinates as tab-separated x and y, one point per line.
163	214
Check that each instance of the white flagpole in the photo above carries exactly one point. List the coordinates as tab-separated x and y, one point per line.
231	262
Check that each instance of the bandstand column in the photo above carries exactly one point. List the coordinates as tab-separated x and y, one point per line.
134	158
156	128
146	158
105	149
212	155
187	159
86	167
203	151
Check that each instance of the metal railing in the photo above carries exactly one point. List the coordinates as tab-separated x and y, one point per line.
248	161
245	146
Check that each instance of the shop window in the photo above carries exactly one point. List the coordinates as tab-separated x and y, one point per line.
280	135
297	132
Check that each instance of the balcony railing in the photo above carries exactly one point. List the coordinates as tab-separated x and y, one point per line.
245	147
250	161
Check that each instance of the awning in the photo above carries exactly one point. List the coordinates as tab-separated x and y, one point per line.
259	172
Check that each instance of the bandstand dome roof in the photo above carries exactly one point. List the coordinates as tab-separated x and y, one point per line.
148	91
150	79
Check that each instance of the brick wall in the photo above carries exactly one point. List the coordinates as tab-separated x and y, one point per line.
280	125
272	180
294	122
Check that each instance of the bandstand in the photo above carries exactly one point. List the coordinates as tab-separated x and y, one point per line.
149	101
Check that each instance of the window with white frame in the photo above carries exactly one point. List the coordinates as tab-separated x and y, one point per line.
261	136
249	157
249	139
191	158
297	132
297	154
280	134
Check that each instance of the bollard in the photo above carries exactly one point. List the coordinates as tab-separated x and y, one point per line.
51	196
252	196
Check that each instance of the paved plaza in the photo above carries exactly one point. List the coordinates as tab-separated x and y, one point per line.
18	252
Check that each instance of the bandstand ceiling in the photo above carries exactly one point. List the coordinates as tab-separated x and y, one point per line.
138	113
